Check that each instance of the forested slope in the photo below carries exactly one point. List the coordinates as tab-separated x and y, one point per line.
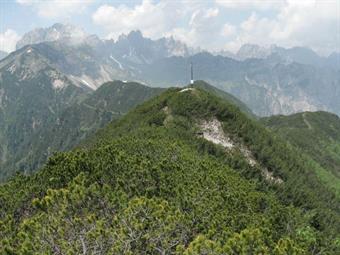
224	95
28	145
151	183
318	135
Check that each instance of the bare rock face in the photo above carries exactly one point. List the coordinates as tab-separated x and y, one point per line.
252	51
56	32
212	131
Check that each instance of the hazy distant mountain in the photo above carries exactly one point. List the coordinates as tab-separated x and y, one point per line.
3	54
91	61
56	32
267	86
334	60
133	46
138	49
252	51
224	53
84	64
301	55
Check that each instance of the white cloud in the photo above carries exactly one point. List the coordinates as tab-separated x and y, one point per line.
8	40
212	12
207	24
57	8
188	22
153	19
299	23
202	30
228	30
251	4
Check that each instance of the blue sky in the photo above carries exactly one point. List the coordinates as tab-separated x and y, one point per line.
210	24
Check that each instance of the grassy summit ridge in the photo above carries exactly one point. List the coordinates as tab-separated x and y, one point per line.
151	184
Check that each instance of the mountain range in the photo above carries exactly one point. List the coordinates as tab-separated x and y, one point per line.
302	55
270	80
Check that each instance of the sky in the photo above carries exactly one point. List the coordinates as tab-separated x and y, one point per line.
209	24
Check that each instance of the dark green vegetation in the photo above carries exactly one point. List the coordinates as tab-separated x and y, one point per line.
28	105
36	120
317	134
149	184
224	95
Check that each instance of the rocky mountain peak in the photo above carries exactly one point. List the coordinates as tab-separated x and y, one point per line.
135	35
56	32
252	51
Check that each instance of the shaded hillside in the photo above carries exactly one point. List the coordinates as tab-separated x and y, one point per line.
66	128
32	96
184	173
224	95
316	134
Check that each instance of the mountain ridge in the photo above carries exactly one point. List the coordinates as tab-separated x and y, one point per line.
60	129
156	173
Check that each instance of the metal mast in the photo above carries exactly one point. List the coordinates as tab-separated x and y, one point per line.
192	74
